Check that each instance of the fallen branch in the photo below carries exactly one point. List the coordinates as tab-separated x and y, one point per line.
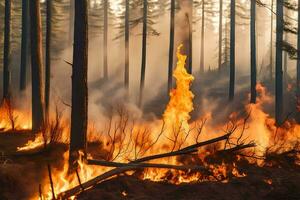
148	165
187	150
134	165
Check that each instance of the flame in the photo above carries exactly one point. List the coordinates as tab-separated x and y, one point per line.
181	98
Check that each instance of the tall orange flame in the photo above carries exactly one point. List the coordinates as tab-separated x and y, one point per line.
181	98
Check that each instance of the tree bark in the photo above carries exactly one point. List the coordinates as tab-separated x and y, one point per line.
48	57
24	45
278	79
202	38
127	46
298	47
79	83
253	51
220	34
271	43
36	66
144	51
171	45
190	23
105	36
7	52
232	50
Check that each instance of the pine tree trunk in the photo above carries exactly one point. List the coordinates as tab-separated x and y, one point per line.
190	22
271	43
171	45
127	46
79	83
298	54
36	66
105	41
285	58
220	34
144	51
48	57
278	80
24	45
202	38
7	52
253	51
232	50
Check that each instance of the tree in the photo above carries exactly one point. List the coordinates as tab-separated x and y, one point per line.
79	82
7	52
48	56
232	50
220	34
202	37
271	43
171	44
127	27
253	51
36	66
24	44
278	73
105	38
144	50
71	21
298	52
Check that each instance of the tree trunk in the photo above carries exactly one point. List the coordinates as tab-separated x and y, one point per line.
48	57
190	22
285	58
7	52
253	51
24	44
271	43
127	46
278	81
220	34
105	34
298	47
79	83
36	66
171	45
144	51
202	38
232	50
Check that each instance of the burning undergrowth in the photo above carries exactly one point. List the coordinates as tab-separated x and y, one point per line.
172	149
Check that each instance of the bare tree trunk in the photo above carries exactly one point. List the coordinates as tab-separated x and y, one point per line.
271	43
79	83
127	45
298	47
253	51
278	81
202	38
48	57
7	52
190	22
36	66
24	45
171	45
220	34
144	51
232	50
105	41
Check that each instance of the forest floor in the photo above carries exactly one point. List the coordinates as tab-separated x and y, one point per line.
20	176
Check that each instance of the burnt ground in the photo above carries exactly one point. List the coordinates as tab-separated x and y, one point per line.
20	176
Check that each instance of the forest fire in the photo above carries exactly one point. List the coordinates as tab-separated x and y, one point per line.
172	134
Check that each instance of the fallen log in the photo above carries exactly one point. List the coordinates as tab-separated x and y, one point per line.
190	149
148	165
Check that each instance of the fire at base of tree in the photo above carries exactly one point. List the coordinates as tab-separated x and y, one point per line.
209	135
